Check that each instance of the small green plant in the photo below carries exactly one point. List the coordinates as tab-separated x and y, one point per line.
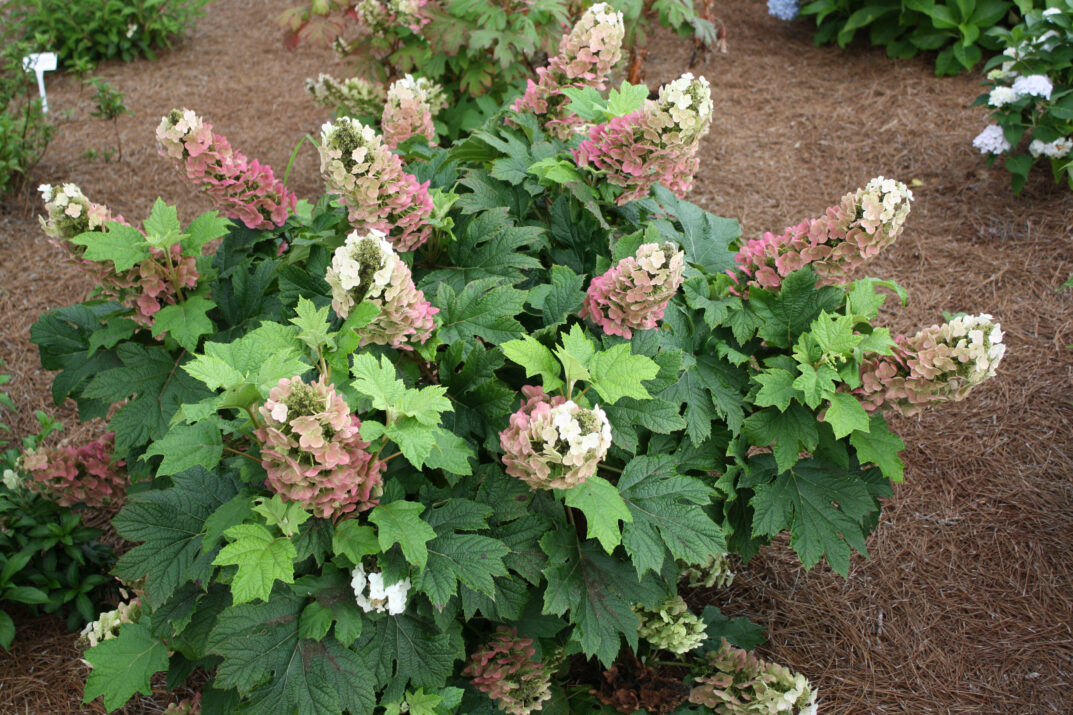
108	105
25	129
82	32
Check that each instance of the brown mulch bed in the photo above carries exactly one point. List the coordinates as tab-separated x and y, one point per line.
966	604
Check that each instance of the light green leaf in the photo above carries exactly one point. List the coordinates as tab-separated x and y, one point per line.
376	380
261	559
206	227
817	384
777	389
287	516
881	447
846	415
602	505
574	353
354	540
617	373
834	334
315	621
186	321
123	245
314	326
415	440
536	359
399	522
626	99
163	220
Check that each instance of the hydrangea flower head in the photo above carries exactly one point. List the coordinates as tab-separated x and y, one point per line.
370	181
1033	85
505	671
241	189
739	683
69	213
1058	149
77	475
671	626
408	110
783	9
683	113
380	15
1001	96
374	597
351	97
366	268
107	625
940	363
835	244
633	294
991	140
312	450
715	572
553	443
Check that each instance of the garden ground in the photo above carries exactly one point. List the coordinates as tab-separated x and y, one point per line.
966	605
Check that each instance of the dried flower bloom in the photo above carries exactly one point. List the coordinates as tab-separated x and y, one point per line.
373	596
671	626
991	140
657	144
189	706
505	671
354	97
835	244
714	572
357	165
239	188
553	443
366	268
940	363
106	627
633	294
586	56
77	475
739	683
312	451
408	110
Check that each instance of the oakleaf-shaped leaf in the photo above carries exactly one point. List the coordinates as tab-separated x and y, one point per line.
261	559
124	665
602	505
617	373
399	522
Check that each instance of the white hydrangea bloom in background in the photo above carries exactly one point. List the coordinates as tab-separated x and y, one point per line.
1034	85
1058	149
390	599
1001	96
991	140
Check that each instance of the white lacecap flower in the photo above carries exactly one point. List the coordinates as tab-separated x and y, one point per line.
380	598
46	192
1034	85
991	140
1001	96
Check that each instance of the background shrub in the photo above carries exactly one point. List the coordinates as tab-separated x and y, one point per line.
25	129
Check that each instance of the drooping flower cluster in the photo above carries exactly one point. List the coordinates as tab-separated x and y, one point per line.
672	626
553	443
189	706
373	596
378	16
409	109
354	97
715	572
859	227
156	288
312	451
77	475
106	627
785	10
357	165
505	671
241	189
940	363
586	56
739	683
657	144
992	140
633	294
366	268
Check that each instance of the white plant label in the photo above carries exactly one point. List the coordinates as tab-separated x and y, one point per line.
39	63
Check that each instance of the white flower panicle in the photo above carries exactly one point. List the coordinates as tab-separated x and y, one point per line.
991	140
585	434
978	341
361	268
107	624
671	626
688	103
1058	149
379	598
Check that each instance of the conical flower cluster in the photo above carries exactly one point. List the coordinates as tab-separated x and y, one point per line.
553	443
411	102
357	165
107	625
505	671
312	451
353	97
586	56
366	268
378	16
155	288
241	189
940	363
657	144
77	475
715	572
739	683
835	244
373	596
672	627
633	294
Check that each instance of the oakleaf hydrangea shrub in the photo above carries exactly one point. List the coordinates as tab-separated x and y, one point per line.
466	450
1030	96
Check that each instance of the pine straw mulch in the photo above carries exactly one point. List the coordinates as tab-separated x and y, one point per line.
966	604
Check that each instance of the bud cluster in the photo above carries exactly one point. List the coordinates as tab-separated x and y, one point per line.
553	443
505	671
715	572
312	450
633	294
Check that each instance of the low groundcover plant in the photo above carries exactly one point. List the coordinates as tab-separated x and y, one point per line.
458	453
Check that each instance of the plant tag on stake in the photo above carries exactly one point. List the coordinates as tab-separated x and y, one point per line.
39	63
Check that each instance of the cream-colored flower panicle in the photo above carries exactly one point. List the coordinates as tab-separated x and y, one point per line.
375	597
715	572
351	97
108	623
739	683
671	626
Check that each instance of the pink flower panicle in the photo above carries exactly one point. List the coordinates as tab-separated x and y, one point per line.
586	56
633	294
656	144
408	110
835	244
553	443
312	451
352	97
505	671
357	165
241	189
366	268
77	475
940	363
